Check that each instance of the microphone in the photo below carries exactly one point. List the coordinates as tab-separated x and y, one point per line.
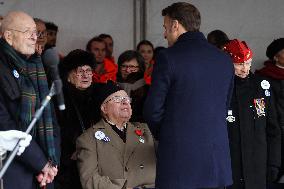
50	59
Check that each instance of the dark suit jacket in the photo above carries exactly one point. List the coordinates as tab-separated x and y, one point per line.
186	110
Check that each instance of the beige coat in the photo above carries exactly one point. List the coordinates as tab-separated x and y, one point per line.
115	164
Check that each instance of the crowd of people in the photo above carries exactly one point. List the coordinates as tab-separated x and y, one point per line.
189	116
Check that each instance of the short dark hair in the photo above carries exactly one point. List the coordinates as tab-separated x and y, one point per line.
96	38
104	35
144	42
130	55
185	13
218	38
51	26
38	20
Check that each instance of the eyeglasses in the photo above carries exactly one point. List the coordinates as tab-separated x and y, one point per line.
28	33
80	72
243	64
41	34
130	67
120	99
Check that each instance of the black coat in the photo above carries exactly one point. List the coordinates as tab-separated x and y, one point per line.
81	112
24	168
254	136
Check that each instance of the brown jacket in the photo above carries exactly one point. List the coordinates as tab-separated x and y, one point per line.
114	164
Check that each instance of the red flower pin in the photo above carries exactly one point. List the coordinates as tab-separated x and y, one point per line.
138	132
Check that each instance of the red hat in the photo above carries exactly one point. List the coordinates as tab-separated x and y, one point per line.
238	50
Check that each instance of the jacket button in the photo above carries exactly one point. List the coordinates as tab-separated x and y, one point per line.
141	166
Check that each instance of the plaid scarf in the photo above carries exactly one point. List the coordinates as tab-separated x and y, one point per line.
34	89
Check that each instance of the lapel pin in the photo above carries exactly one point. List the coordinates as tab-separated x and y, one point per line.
267	93
265	84
100	135
16	74
230	118
139	133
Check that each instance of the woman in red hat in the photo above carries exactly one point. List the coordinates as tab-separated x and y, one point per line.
253	129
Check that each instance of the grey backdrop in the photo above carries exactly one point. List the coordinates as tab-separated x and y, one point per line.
257	22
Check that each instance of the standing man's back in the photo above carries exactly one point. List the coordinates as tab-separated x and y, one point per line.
187	105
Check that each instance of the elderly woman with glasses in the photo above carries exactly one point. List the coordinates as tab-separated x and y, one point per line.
130	77
80	113
115	153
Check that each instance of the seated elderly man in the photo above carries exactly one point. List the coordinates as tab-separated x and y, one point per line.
115	153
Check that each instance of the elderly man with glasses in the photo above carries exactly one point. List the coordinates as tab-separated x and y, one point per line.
115	153
22	88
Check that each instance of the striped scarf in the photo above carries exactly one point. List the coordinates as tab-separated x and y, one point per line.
34	89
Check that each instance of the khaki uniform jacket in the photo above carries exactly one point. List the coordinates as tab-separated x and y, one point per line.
115	164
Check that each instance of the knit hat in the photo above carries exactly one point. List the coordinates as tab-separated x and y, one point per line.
274	47
75	59
105	90
238	50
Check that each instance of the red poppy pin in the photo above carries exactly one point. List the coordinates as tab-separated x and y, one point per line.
139	133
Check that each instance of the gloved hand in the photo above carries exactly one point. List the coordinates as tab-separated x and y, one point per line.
272	173
9	139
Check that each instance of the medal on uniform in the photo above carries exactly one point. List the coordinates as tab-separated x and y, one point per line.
259	105
101	136
16	74
230	118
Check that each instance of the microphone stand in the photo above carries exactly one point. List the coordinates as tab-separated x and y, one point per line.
56	88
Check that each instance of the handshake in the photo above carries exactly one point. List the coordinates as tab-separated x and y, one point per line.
47	174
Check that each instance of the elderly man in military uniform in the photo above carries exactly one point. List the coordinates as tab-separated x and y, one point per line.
254	132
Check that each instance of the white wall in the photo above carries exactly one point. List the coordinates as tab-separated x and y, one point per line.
80	20
257	22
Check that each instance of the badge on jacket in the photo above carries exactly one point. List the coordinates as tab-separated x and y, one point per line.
230	118
265	85
259	105
101	136
16	74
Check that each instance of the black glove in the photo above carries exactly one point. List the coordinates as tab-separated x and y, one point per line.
272	173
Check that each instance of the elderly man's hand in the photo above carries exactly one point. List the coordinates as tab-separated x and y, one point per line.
9	139
47	175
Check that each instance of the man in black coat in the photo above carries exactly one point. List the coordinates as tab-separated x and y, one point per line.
23	86
273	70
187	104
254	132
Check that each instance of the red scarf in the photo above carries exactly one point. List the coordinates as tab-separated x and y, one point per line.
272	71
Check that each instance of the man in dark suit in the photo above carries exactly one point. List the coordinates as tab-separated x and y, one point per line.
187	105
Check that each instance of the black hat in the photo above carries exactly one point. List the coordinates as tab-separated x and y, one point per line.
276	46
75	59
105	90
